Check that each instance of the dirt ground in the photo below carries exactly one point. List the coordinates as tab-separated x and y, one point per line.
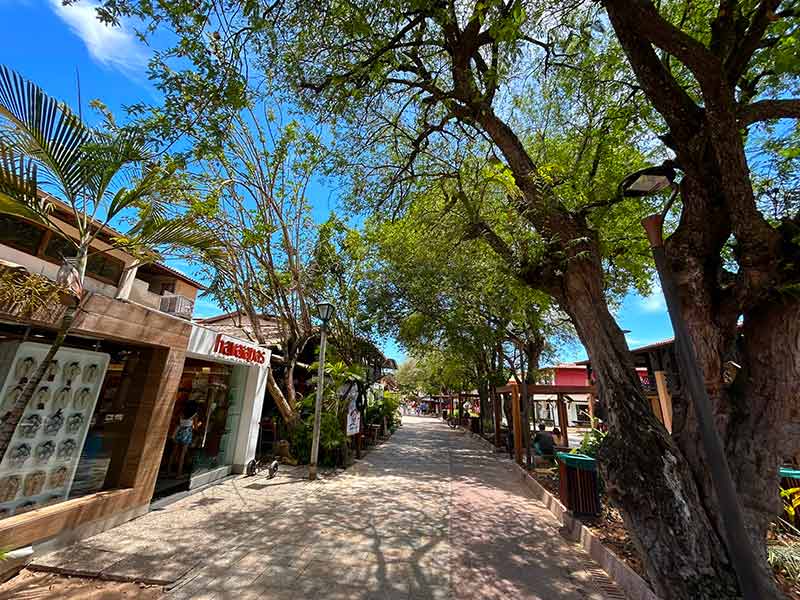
30	585
609	527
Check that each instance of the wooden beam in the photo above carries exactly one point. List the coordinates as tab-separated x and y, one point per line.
517	417
562	419
561	389
664	399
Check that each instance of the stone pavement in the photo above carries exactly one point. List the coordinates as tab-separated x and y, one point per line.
432	514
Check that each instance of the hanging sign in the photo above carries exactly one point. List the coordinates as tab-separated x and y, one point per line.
353	418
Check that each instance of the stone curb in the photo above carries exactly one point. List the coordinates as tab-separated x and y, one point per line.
627	579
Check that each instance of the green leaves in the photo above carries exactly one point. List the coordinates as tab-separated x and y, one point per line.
18	190
44	130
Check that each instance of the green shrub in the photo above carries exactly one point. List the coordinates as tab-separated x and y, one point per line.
300	440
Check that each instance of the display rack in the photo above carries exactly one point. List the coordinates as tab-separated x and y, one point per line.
39	465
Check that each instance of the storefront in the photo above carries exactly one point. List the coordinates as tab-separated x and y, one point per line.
213	429
85	453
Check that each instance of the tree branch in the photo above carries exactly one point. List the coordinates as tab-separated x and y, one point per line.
669	98
655	29
737	63
764	110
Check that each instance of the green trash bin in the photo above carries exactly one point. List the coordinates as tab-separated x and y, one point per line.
578	485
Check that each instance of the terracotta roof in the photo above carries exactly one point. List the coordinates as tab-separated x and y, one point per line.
162	267
216	318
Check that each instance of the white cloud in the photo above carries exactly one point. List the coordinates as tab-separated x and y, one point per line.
654	302
114	47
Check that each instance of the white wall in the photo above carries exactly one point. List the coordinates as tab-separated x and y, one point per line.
36	265
201	343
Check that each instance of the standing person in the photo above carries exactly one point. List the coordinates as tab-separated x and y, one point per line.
182	437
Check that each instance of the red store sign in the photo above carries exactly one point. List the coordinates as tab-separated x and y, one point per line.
234	349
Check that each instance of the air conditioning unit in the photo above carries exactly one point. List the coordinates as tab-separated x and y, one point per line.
175	304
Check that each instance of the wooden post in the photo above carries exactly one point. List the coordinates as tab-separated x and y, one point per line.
591	409
562	419
517	417
664	399
498	419
526	424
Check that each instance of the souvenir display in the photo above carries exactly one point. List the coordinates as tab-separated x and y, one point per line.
82	398
12	395
53	423
44	451
71	371
41	397
34	482
74	423
45	448
19	454
25	367
29	426
90	373
62	397
66	449
9	486
52	371
57	478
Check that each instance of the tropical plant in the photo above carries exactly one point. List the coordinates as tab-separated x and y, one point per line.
99	176
791	500
784	558
592	439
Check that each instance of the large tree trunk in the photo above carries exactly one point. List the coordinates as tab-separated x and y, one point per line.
748	412
645	473
280	400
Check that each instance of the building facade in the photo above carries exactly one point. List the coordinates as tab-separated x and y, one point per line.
95	442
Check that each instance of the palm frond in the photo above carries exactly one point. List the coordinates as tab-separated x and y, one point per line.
18	188
157	231
114	155
45	130
144	189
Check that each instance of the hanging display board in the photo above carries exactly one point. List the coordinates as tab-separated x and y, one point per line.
40	462
353	418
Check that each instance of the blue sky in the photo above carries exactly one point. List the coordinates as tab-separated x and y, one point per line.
48	42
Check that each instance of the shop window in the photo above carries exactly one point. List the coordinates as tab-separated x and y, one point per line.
41	465
108	439
20	234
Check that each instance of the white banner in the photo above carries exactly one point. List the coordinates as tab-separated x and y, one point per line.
353	418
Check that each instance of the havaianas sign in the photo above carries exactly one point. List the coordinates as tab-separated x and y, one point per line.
235	349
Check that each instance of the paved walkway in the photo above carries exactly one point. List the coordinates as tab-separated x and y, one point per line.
432	514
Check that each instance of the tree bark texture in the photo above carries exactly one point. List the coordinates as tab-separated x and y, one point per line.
645	473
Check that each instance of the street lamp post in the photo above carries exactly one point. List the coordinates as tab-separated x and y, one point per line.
644	183
325	313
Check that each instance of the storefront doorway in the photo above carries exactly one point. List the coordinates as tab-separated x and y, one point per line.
204	426
214	426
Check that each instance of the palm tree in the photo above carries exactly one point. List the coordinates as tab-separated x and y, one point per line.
99	175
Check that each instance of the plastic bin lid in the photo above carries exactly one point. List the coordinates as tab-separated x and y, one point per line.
787	472
577	461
